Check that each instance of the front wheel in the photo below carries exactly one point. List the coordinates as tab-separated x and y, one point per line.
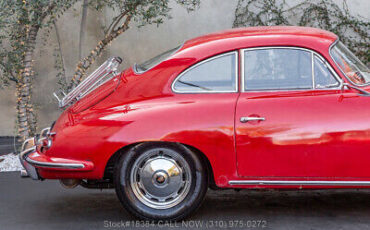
160	181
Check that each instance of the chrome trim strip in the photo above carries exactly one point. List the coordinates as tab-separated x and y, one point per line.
313	70
24	157
277	182
293	89
236	55
55	165
241	63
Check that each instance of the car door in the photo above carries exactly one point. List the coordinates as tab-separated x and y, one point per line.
205	95
292	120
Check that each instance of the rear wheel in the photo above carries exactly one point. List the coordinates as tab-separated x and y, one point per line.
160	181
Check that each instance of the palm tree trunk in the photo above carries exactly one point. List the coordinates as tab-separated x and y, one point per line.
26	117
22	120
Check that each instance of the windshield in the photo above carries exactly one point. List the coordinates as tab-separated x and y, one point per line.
140	68
356	71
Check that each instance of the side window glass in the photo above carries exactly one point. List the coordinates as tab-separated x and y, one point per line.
323	76
217	74
277	68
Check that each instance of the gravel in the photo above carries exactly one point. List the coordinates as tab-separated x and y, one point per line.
9	163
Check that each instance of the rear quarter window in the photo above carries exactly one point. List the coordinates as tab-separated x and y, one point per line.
216	74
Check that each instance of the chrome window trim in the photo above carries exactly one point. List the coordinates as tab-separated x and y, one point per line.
235	90
313	70
340	69
331	70
241	52
312	52
287	182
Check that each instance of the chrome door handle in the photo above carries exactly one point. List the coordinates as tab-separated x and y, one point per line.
246	119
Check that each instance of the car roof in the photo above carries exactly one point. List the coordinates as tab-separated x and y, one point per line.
257	32
309	37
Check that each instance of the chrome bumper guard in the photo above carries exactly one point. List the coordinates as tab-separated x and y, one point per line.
31	170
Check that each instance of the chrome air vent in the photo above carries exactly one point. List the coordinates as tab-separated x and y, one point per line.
101	75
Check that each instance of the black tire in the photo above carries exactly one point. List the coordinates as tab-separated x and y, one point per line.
189	202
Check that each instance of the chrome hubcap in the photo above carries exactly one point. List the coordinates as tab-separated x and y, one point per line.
160	178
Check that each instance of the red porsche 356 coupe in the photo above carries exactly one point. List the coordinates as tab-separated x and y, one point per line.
266	107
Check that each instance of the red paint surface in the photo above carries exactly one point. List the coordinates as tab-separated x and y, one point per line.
307	135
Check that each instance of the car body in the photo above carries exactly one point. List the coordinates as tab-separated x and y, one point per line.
290	114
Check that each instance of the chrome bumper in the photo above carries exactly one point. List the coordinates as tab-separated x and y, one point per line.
30	163
31	170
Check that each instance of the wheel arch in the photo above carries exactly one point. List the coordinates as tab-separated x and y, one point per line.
109	167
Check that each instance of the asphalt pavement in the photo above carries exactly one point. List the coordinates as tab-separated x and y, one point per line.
28	204
8	144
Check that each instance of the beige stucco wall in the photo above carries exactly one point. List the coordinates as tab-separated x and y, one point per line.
136	45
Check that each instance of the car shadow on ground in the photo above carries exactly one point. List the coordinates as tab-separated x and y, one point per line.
290	208
42	205
221	203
